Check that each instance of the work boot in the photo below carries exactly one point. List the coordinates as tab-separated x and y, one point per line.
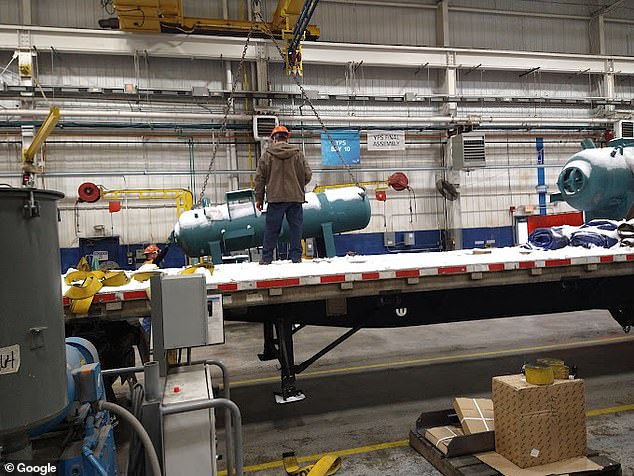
263	262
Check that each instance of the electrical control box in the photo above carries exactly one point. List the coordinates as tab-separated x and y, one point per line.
179	310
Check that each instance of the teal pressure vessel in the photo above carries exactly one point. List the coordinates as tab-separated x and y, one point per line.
237	225
599	182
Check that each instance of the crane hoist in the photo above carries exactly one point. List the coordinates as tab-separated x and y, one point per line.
29	168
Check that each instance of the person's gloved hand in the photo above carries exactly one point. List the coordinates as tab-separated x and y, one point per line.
258	205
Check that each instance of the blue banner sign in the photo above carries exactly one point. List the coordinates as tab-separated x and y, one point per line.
348	143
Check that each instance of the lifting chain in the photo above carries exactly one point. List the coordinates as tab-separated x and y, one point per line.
223	127
268	31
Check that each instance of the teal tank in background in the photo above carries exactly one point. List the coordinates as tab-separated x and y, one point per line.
237	225
599	182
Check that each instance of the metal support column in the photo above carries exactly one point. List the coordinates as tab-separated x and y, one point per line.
442	23
449	84
541	175
27	12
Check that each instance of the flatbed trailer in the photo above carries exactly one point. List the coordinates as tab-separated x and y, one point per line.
398	290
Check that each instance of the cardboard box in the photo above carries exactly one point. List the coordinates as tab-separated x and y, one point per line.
458	445
580	464
475	414
539	424
440	436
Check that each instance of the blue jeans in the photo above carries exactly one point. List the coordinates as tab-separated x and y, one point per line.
274	216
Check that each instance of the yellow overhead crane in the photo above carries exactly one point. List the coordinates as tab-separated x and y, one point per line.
156	16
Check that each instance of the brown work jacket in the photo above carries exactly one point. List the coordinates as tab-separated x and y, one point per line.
283	172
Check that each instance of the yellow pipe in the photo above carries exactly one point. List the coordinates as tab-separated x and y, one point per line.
380	184
184	198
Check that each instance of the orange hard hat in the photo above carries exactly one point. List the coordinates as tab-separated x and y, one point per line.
280	129
151	249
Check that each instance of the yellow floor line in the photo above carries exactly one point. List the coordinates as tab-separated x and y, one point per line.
313	458
443	358
393	444
607	411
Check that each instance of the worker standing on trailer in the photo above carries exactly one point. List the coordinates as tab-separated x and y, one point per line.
282	173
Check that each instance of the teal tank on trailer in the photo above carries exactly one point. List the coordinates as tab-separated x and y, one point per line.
237	225
599	182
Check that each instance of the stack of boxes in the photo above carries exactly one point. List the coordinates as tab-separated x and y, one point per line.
534	424
475	416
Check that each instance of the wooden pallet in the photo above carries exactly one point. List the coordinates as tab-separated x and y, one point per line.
471	466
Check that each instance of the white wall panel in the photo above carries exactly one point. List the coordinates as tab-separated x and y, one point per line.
68	13
349	22
115	71
486	197
619	39
10	12
570	7
359	80
536	84
624	87
161	158
473	30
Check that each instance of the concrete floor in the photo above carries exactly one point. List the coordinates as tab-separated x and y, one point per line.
363	397
368	392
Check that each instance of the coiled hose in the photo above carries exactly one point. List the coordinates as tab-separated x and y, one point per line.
138	428
136	459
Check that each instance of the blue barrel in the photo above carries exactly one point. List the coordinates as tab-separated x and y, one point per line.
238	226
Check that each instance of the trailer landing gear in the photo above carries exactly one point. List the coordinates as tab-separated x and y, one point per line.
624	316
278	344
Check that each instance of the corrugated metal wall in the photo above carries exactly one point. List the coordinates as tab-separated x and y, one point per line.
130	158
472	30
10	12
57	69
473	24
348	22
619	39
152	162
68	13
